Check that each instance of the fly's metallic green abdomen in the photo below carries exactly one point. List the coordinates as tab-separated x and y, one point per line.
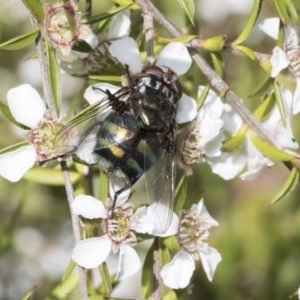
123	146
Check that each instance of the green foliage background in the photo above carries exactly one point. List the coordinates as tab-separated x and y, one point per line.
259	245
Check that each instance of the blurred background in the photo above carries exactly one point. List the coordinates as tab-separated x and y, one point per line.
259	245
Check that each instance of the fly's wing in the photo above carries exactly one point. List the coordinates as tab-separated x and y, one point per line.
80	133
160	184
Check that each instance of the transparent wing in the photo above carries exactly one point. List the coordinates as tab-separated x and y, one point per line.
160	184
82	129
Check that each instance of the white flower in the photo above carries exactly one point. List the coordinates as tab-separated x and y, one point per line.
193	231
247	157
174	56
117	239
288	57
205	135
27	108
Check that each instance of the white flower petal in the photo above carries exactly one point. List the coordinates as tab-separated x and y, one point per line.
210	259
141	221
204	216
129	262
279	61
176	57
177	274
126	51
232	121
291	40
146	220
14	164
120	25
187	109
88	207
26	105
92	252
270	26
97	92
228	165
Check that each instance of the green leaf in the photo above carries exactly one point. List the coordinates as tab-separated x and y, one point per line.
189	7
215	43
250	23
268	150
279	101
265	107
106	279
235	141
245	50
65	288
6	112
29	294
288	186
147	274
54	76
21	41
262	88
282	10
14	147
181	39
36	8
218	63
49	176
105	16
180	193
99	78
292	11
71	266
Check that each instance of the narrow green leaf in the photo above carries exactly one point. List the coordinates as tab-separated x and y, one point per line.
292	11
106	279
182	39
180	193
103	186
14	147
215	43
250	23
36	8
54	76
21	41
49	176
71	266
282	10
279	101
269	150
189	7
262	88
147	274
265	107
65	288
235	141
6	112
245	50
104	16
99	78
29	294
288	186
218	63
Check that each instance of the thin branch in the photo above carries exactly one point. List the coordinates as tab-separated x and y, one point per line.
215	80
75	226
68	184
149	33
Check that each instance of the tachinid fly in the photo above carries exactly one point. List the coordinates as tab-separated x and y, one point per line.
132	132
